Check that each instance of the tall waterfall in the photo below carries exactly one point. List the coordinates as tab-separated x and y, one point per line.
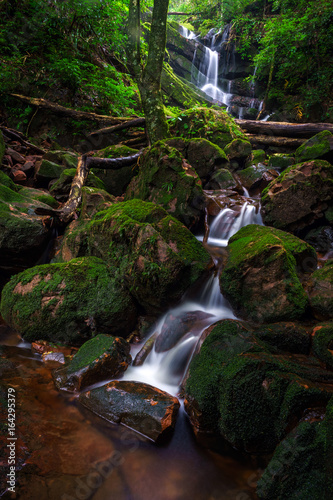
177	333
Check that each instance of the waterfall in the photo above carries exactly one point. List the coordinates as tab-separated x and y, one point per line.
177	333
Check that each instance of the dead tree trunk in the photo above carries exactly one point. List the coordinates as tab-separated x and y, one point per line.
284	129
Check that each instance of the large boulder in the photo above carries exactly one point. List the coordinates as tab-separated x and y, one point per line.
301	467
319	146
214	125
165	178
261	275
141	407
300	196
321	291
242	391
155	256
100	358
68	302
322	339
23	234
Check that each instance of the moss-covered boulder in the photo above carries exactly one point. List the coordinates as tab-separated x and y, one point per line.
319	146
2	148
115	181
238	390
178	92
261	275
256	156
256	176
301	466
222	179
238	149
94	200
285	336
322	341
321	291
217	126
155	255
39	195
141	407
68	302
67	159
300	196
103	357
280	161
46	171
165	178
23	234
61	188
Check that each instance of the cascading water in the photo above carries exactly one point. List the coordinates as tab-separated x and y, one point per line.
178	332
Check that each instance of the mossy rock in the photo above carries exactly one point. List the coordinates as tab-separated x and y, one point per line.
256	156
5	180
222	179
94	200
115	181
322	336
165	178
239	390
22	233
68	302
300	196
256	176
319	146
98	359
66	159
261	275
300	468
61	188
285	336
280	161
154	254
178	92
47	171
321	292
40	196
217	126
2	147
238	149
321	238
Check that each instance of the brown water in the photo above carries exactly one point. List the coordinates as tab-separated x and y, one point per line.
65	452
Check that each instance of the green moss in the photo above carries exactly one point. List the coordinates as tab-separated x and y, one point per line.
280	161
90	351
6	181
117	151
49	170
238	148
323	343
39	196
316	147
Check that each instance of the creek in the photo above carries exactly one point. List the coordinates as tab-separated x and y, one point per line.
77	453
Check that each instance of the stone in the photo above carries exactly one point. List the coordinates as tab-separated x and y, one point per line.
286	336
68	302
256	176
61	188
256	156
67	159
98	359
222	179
319	146
300	196
239	389
261	277
154	255
238	149
18	176
2	147
46	171
140	406
322	339
165	178
280	161
94	200
321	291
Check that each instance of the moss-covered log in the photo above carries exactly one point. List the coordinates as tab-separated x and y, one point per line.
284	129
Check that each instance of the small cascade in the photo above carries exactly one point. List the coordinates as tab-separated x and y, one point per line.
186	33
177	333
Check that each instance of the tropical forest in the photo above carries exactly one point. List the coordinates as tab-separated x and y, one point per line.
166	249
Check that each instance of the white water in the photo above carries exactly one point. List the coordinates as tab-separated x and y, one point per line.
186	33
166	370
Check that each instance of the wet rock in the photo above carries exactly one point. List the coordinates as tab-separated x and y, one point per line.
18	176
222	179
165	178
300	467
322	338
45	347
144	408
145	350
60	188
321	238
53	357
280	161
321	291
175	327
154	255
204	156
116	181
319	146
256	177
68	302
98	359
261	276
238	149
286	336
23	234
217	126
239	390
300	196
256	156
94	200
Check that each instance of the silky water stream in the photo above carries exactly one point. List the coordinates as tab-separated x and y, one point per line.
73	454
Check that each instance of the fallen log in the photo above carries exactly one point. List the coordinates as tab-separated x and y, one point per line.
267	140
14	135
137	122
112	163
284	129
69	112
181	14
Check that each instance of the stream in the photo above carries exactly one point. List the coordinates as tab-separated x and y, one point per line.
71	453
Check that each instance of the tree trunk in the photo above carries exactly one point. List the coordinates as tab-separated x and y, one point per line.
284	129
269	140
148	78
